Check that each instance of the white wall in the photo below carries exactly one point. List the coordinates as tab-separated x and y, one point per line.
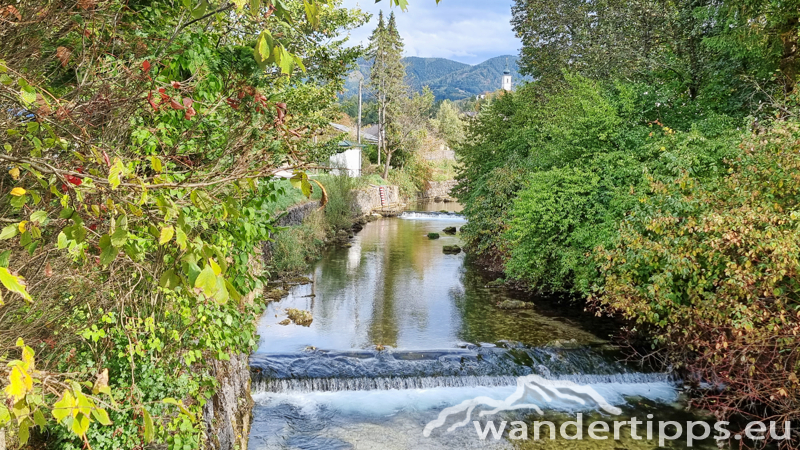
348	162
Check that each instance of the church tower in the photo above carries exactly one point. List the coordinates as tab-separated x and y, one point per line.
507	79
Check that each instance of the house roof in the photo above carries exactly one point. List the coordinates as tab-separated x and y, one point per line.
349	144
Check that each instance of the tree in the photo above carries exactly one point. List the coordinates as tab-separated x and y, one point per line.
387	77
448	124
408	124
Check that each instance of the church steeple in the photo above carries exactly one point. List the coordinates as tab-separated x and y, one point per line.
507	78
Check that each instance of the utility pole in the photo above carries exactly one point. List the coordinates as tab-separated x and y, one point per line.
358	128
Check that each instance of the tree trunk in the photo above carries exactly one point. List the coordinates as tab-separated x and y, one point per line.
386	168
788	64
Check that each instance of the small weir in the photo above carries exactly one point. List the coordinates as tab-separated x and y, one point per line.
403	331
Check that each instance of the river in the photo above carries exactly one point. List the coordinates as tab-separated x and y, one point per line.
401	331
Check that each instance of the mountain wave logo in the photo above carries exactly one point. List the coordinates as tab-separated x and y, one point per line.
530	386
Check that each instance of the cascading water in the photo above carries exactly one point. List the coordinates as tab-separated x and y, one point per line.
402	331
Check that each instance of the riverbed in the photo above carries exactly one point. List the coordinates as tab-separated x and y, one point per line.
402	331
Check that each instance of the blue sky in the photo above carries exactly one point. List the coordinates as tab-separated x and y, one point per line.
469	31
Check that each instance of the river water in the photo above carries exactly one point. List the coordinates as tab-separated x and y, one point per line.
402	331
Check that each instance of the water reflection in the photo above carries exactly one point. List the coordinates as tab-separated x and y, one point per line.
395	287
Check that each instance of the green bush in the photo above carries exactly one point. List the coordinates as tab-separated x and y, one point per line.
710	269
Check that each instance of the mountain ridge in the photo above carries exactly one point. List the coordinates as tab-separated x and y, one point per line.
447	79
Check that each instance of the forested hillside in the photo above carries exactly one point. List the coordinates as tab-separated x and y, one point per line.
447	79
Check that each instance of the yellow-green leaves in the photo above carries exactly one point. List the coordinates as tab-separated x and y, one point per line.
206	281
115	174
14	284
202	200
211	283
312	9
18	192
9	231
269	51
149	430
76	410
263	50
300	181
155	164
166	235
108	253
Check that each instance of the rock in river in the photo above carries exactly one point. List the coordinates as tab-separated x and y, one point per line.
451	249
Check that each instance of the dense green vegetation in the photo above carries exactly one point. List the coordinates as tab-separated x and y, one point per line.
139	144
650	168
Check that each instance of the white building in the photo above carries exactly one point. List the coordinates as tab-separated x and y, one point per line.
347	160
507	80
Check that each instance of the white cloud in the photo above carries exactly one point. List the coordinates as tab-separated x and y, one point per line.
469	31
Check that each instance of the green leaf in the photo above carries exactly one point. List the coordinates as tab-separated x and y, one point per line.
115	173
263	49
149	432
200	10
80	424
285	60
39	216
206	281
202	200
312	9
39	419
221	295
180	238
101	416
24	431
9	232
155	163
255	7
119	237
14	283
4	257
63	408
166	235
27	97
169	280
108	251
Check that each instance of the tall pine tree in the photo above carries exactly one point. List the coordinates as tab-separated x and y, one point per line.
387	78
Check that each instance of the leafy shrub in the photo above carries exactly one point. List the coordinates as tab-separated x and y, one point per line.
711	270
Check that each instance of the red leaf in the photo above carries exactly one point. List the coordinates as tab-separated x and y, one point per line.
190	112
150	100
174	104
48	271
176	85
161	90
106	159
93	227
74	180
145	66
187	102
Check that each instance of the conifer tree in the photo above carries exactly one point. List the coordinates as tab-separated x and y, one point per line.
387	77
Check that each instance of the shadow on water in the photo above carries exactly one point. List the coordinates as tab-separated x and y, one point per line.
402	330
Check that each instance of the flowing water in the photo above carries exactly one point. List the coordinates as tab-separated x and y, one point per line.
402	331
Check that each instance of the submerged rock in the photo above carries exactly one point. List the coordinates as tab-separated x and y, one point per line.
275	294
433	235
450	230
451	249
496	283
299	280
300	316
513	304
